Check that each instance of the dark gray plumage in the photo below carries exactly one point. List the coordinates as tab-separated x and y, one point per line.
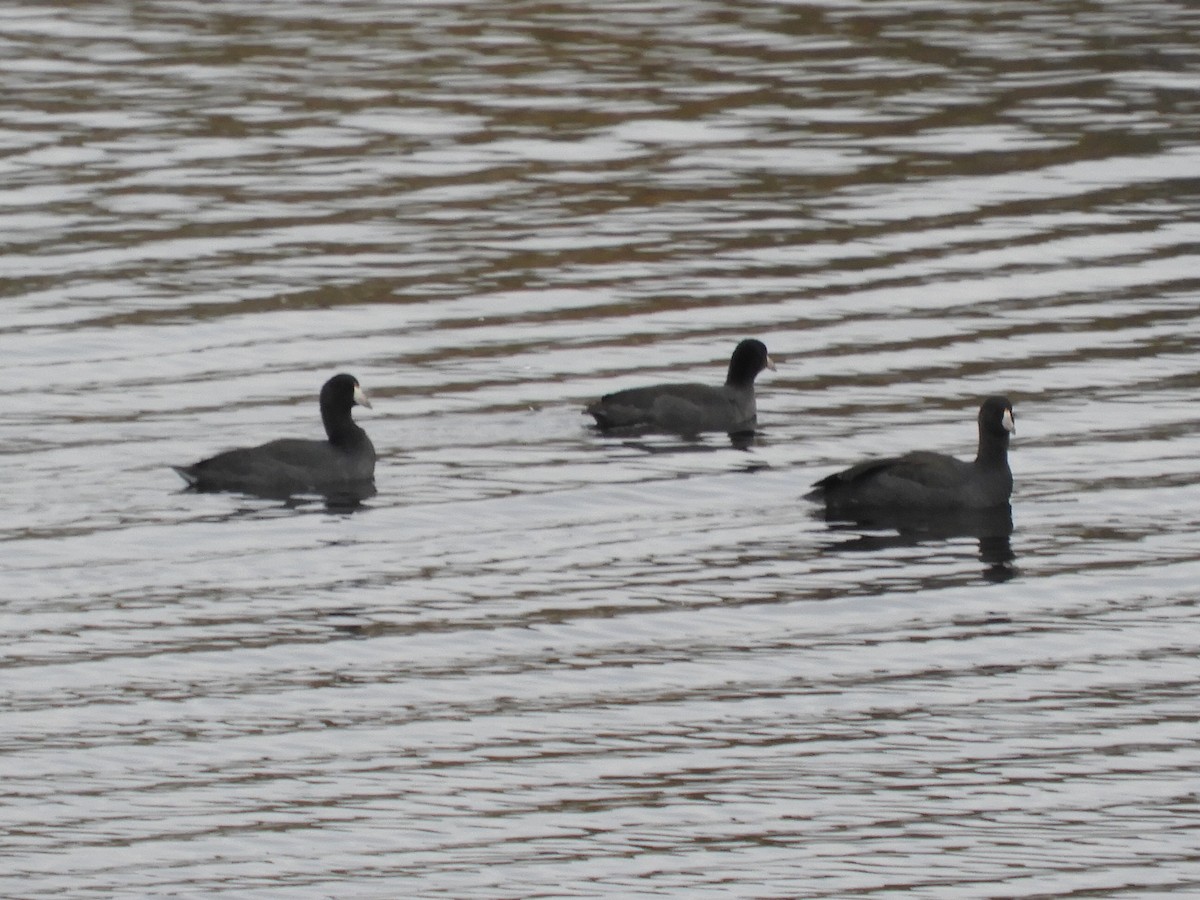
690	408
346	459
930	481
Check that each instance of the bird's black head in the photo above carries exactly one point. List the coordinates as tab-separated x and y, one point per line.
996	416
341	392
749	358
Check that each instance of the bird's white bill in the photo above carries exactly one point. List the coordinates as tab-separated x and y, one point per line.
770	364
1007	421
360	397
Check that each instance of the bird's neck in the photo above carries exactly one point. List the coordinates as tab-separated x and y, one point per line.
993	450
342	430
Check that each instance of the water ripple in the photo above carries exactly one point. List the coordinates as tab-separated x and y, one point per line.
542	660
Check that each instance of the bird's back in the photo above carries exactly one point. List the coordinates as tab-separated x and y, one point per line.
915	480
287	465
684	408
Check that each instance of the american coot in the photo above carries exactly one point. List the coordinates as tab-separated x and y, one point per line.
923	481
690	408
291	466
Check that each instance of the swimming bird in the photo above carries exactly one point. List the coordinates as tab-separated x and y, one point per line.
346	459
690	408
923	481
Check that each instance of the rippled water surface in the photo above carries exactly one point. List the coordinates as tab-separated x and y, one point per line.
543	662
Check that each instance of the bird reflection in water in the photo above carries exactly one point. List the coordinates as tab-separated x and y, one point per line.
342	501
993	529
348	499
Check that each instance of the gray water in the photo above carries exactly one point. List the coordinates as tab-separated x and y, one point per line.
542	662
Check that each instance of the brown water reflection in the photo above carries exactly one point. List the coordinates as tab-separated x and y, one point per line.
540	661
